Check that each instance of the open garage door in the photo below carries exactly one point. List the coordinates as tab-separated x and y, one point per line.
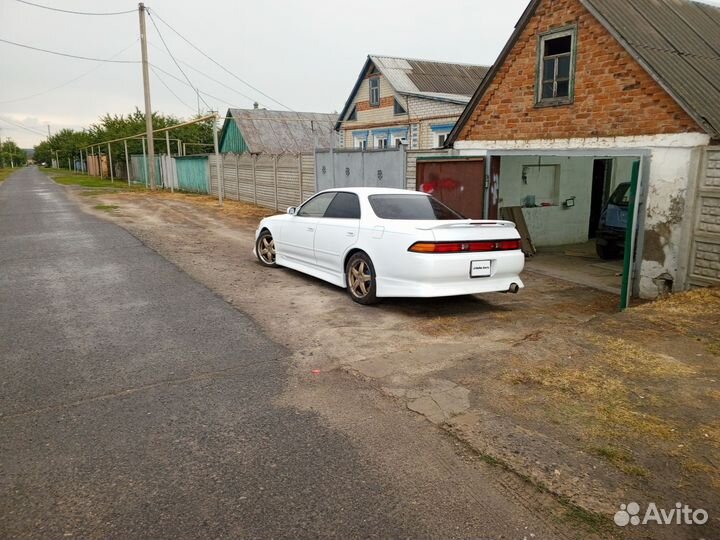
459	183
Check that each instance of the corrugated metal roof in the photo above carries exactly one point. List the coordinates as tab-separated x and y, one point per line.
434	80
678	42
277	132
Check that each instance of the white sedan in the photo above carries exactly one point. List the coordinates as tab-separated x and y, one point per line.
392	243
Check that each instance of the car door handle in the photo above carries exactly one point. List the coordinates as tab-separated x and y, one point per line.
310	229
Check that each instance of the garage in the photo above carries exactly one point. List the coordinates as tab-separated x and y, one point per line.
574	210
584	93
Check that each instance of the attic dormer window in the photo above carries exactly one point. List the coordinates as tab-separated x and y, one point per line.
374	92
353	115
556	67
399	109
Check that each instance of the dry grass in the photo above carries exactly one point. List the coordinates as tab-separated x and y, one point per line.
631	359
231	208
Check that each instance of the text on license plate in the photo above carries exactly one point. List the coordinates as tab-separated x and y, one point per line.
480	269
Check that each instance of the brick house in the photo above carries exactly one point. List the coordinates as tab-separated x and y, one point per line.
405	101
587	94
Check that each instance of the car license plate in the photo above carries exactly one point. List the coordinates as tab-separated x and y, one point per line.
479	269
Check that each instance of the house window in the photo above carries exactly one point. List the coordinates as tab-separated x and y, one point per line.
381	142
556	67
399	109
375	92
439	138
353	115
360	143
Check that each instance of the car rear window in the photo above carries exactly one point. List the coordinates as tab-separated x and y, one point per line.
415	207
621	195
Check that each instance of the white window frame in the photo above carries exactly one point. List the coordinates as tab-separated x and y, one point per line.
360	143
397	141
381	142
436	138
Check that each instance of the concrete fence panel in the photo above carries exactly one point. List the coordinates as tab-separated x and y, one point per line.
273	181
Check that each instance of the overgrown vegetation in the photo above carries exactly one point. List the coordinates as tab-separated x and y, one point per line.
67	143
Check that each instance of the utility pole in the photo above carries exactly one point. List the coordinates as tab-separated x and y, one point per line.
148	106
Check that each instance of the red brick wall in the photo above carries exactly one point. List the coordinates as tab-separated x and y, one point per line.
614	95
387	101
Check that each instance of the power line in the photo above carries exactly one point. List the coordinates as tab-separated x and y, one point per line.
70	55
220	65
171	90
75	12
212	78
31	130
152	20
88	72
178	79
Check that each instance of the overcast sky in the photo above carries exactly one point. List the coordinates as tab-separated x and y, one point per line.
305	54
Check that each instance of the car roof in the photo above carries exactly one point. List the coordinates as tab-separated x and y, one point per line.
374	191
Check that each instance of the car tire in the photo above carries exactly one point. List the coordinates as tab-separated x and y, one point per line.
606	252
265	249
361	279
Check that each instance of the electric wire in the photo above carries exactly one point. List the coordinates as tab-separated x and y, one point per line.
31	130
218	64
178	79
190	66
171	90
88	72
70	55
152	20
76	12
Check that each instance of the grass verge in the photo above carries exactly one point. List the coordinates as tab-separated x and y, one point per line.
7	171
69	178
106	207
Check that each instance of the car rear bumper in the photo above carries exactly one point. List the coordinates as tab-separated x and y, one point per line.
610	236
434	275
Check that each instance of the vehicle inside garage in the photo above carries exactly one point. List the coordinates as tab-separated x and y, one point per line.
575	211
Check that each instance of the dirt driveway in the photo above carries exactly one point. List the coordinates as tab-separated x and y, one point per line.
597	407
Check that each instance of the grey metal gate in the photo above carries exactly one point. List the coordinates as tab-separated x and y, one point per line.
360	168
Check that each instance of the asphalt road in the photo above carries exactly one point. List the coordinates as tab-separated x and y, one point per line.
135	403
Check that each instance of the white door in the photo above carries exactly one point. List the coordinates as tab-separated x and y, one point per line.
298	234
337	231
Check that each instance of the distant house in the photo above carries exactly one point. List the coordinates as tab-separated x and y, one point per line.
405	101
260	131
588	94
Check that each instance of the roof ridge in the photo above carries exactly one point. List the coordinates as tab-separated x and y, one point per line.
467	64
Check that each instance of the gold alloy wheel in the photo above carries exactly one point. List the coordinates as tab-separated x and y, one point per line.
266	248
360	278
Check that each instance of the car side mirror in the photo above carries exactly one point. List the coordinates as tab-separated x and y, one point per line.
291	210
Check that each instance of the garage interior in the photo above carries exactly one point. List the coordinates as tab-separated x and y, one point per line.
562	199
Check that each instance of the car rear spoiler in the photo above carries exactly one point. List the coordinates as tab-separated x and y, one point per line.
469	223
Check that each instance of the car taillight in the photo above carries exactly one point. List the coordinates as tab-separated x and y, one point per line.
464	247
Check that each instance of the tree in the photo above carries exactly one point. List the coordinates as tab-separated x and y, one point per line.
68	143
11	154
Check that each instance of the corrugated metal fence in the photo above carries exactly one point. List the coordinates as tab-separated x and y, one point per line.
273	181
192	173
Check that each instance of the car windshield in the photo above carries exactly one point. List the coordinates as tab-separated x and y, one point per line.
621	195
411	207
